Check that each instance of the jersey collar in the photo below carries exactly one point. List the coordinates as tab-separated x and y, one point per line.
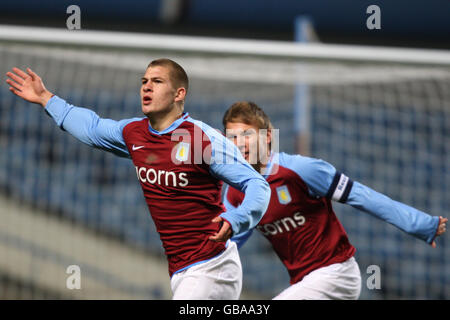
170	128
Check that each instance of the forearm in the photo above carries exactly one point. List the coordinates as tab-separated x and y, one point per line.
244	236
75	120
252	208
228	165
404	217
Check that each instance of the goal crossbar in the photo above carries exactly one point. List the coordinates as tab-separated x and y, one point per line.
225	46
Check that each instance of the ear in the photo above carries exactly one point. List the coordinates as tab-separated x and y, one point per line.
180	94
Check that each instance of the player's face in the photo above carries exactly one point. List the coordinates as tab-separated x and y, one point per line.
246	138
158	95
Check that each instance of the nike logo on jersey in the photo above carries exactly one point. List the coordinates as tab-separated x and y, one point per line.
137	148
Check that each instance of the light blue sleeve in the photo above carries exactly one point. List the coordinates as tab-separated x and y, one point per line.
324	180
86	126
243	237
404	217
228	165
316	173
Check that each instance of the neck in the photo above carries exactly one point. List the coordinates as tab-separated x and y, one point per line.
159	122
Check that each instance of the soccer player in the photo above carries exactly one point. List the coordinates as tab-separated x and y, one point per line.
300	222
180	163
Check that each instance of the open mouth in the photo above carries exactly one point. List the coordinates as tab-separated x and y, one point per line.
146	100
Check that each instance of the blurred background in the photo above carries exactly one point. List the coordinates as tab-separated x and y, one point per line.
373	102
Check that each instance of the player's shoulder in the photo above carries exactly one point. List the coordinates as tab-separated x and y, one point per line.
295	161
316	173
134	122
304	166
129	126
211	133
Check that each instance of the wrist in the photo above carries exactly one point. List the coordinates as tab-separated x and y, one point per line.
45	97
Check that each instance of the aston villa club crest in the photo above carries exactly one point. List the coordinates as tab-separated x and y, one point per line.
283	195
182	151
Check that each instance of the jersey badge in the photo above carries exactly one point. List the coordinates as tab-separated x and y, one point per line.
283	195
182	151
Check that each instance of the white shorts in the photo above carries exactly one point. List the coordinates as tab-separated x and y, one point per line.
219	278
339	281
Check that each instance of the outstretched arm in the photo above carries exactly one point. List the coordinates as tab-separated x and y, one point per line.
323	180
83	124
404	217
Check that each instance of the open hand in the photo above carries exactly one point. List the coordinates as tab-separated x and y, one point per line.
28	86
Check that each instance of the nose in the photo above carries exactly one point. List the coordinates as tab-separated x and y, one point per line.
147	87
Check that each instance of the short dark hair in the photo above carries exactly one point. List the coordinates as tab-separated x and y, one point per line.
247	112
178	76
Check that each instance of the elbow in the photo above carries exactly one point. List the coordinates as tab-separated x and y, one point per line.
266	187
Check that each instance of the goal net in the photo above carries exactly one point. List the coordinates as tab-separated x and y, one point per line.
382	117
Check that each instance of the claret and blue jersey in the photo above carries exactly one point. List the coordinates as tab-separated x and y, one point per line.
180	170
300	222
